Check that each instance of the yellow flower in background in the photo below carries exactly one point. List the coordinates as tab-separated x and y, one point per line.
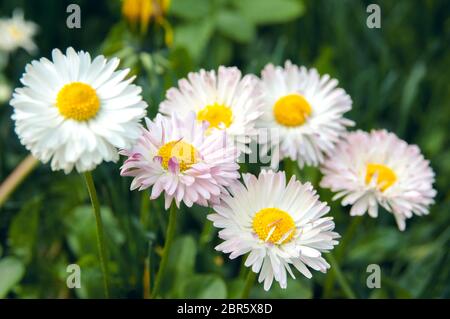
139	13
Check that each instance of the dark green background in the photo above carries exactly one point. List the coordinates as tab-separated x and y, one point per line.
398	78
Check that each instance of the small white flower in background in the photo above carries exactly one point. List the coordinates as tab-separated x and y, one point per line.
378	168
226	100
76	112
16	33
280	226
178	156
306	108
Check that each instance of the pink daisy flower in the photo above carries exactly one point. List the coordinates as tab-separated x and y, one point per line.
378	168
180	157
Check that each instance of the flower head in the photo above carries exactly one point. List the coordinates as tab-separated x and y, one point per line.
226	100
279	225
177	157
140	12
378	168
76	112
17	33
307	111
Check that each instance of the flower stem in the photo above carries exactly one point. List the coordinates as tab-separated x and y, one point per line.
16	177
340	277
170	234
249	281
147	272
340	250
291	168
349	233
100	238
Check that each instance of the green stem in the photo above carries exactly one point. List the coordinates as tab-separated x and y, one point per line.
340	250
291	168
249	281
243	270
207	233
340	277
100	237
147	272
170	234
145	207
349	233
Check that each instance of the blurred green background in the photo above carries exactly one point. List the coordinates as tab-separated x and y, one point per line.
398	77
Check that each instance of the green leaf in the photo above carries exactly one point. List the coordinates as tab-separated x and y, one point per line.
420	274
299	288
11	272
82	233
90	277
233	25
270	11
204	287
23	230
235	288
182	256
376	246
189	9
193	36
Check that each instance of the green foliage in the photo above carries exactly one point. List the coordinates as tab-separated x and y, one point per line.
11	272
236	20
397	77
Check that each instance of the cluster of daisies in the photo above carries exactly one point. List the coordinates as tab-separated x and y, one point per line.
76	112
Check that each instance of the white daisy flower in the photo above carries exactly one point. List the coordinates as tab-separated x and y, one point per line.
378	168
305	109
279	226
76	112
226	100
177	157
17	33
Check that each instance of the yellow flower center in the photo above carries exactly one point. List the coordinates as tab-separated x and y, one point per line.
274	225
15	32
216	114
386	177
292	110
185	153
78	101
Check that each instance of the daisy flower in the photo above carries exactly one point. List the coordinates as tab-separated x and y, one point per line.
378	168
305	109
17	33
176	156
279	225
75	112
226	100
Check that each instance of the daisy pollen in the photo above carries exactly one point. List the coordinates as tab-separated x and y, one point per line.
273	225
78	101
184	153
216	115
292	110
385	176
